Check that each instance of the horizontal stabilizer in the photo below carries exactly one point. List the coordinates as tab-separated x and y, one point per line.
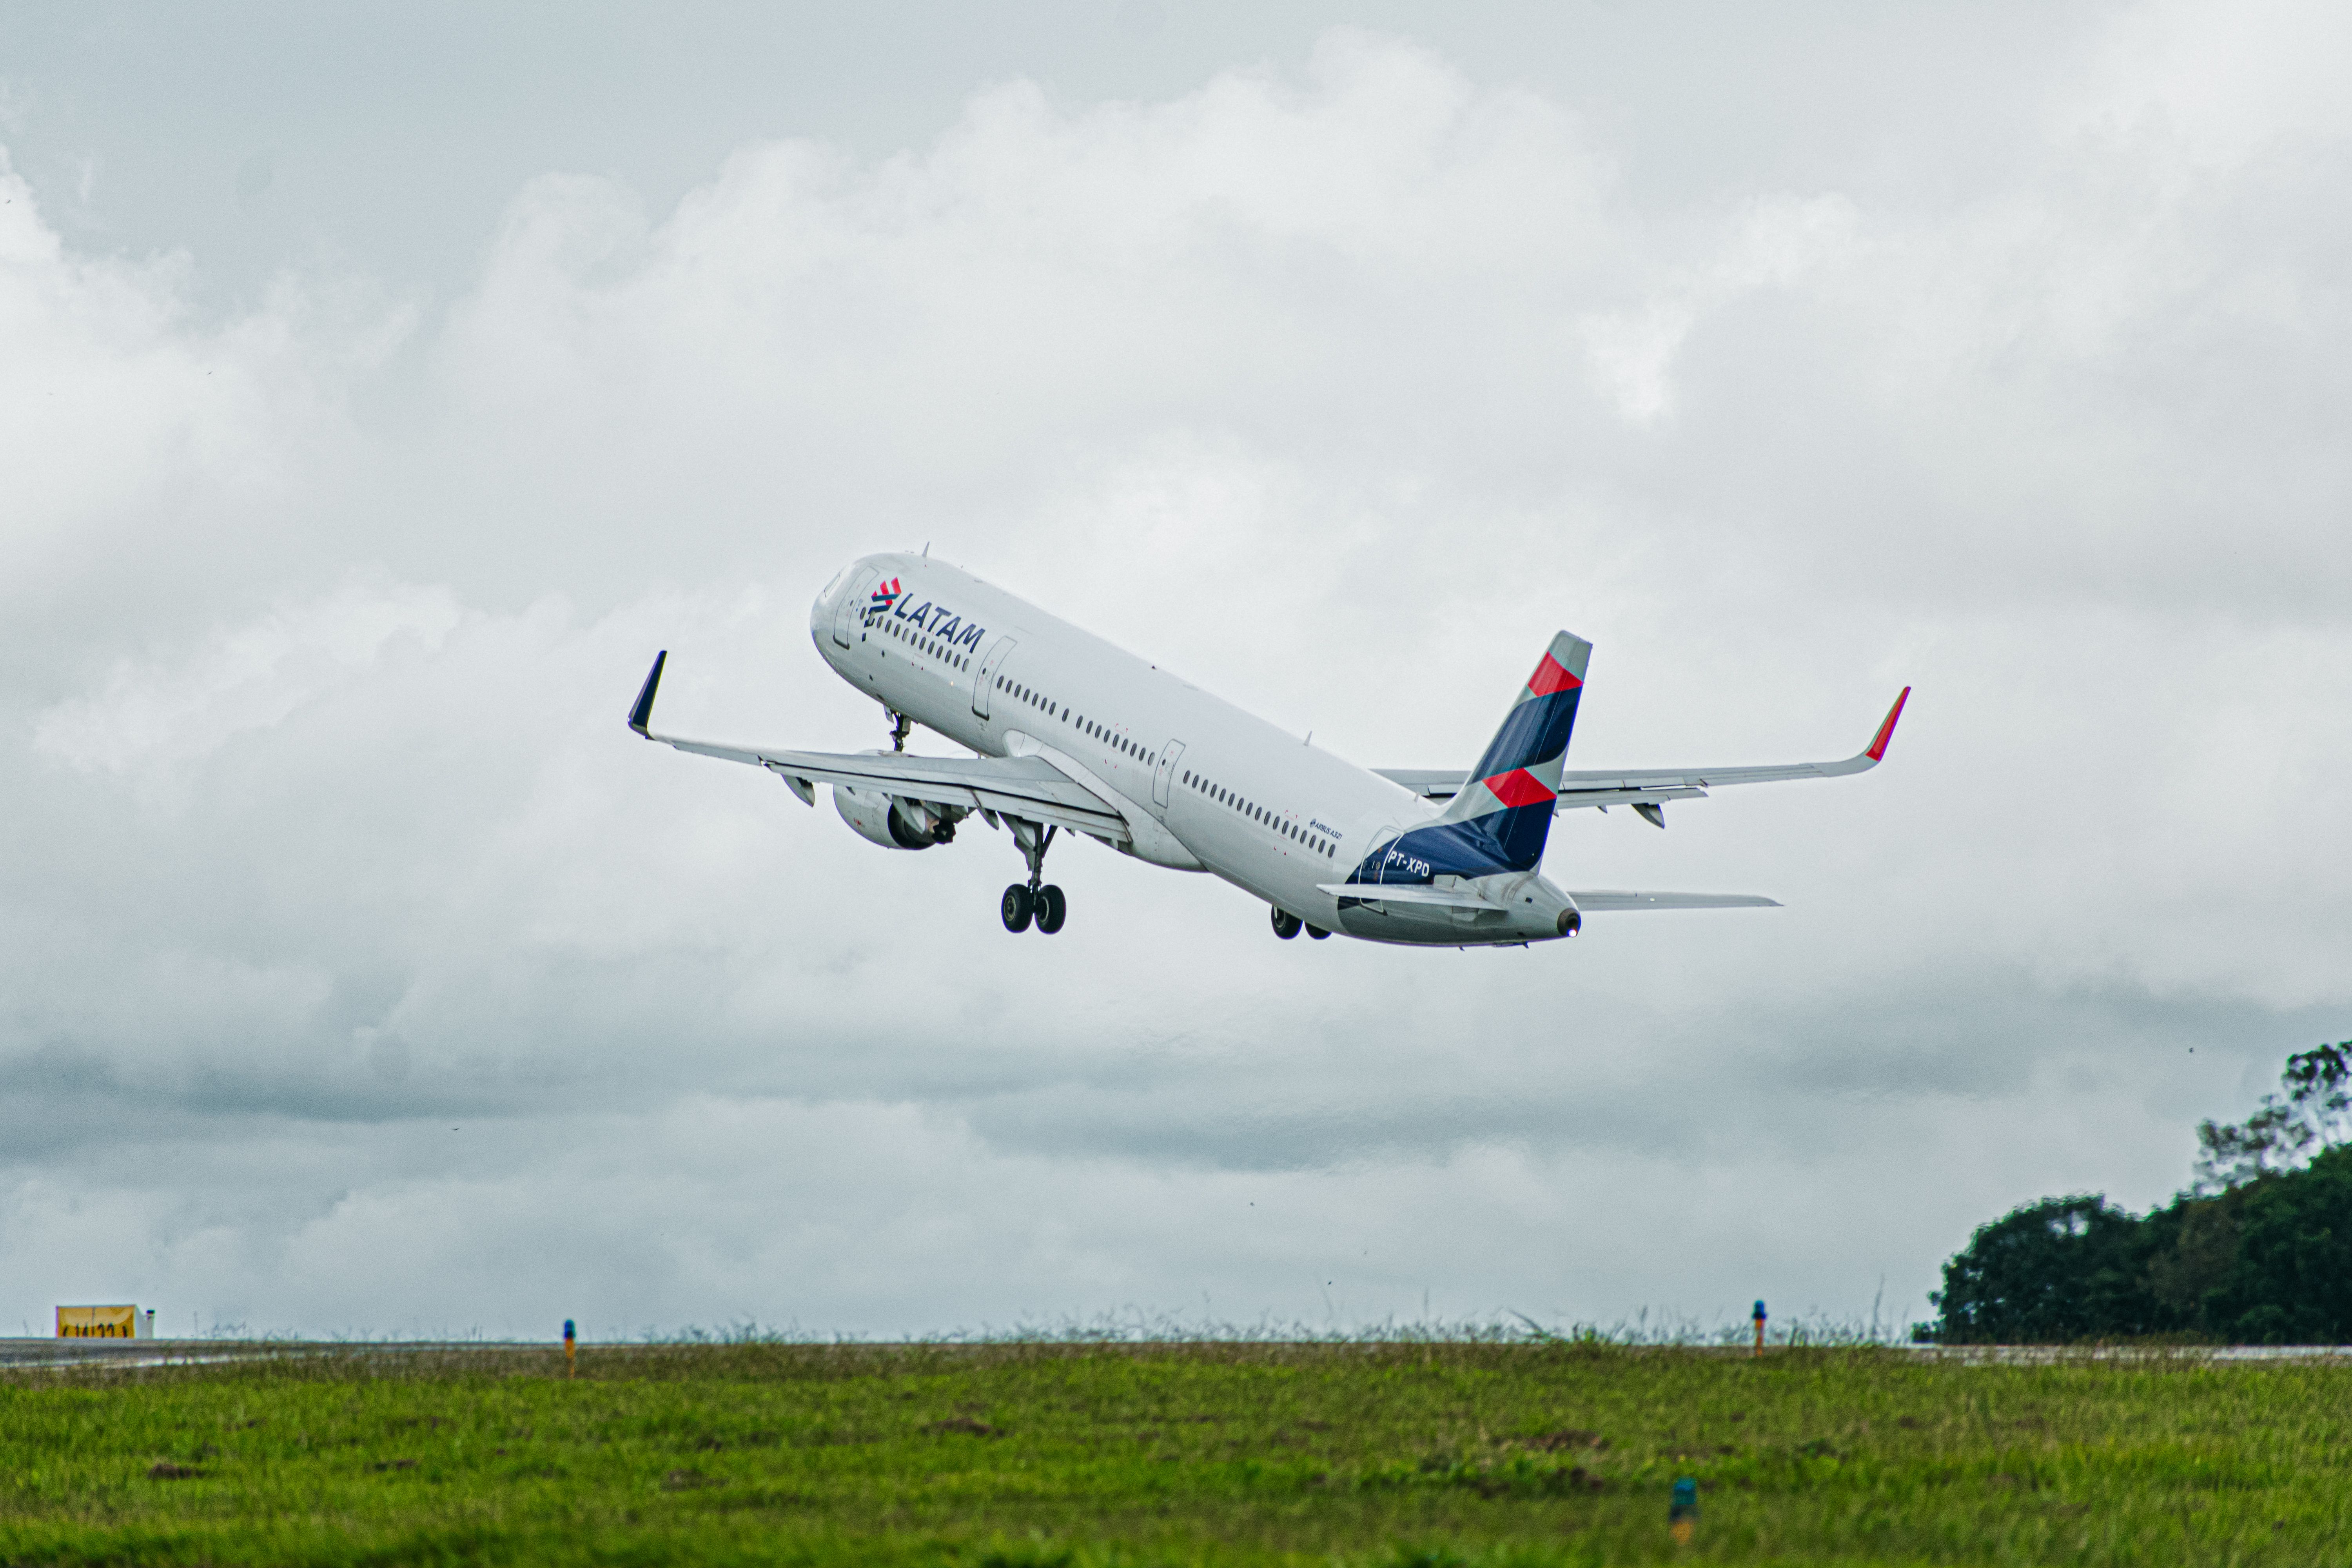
1607	901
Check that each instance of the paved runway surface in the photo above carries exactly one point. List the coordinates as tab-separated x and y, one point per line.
41	1354
51	1355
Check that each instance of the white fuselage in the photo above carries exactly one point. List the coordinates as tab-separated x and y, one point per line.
1203	785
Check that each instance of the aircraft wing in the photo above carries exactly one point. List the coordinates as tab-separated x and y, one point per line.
1027	787
1653	787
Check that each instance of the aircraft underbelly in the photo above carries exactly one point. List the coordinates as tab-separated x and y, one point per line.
1427	927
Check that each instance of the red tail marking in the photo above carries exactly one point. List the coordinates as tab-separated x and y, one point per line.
1518	787
1549	677
1886	732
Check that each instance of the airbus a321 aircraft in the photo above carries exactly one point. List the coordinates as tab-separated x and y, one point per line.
1072	733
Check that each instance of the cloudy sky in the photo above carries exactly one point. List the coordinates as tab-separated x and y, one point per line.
380	386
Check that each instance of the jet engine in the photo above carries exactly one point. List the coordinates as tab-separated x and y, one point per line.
892	823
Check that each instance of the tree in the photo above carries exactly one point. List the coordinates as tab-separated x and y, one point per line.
2049	1272
2312	1112
2288	1276
2258	1251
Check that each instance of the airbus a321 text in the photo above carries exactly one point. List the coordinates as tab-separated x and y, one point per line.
1071	734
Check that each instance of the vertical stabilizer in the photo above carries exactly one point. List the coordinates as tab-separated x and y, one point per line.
1513	790
1501	820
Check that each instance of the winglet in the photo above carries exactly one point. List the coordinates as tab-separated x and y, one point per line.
642	715
1876	753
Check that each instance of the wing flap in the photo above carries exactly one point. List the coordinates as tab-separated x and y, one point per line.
1028	788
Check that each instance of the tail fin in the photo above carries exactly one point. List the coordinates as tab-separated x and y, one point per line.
1511	793
1500	819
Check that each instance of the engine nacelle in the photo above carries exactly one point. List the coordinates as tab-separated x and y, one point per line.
892	823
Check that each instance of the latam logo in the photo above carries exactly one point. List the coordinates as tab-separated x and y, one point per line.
928	619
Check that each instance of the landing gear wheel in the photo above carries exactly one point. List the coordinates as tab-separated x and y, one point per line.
1052	908
1318	932
1017	908
1285	924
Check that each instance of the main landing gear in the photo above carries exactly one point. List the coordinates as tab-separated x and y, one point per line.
1287	925
1044	905
900	728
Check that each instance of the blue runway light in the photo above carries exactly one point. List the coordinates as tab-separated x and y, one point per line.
1681	1514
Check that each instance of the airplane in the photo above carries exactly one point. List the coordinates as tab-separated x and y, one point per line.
1071	734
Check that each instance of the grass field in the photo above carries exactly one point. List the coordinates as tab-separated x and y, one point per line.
1379	1453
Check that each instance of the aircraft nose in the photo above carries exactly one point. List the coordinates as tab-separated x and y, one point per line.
824	597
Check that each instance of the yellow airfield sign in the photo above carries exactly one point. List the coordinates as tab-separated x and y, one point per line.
97	1323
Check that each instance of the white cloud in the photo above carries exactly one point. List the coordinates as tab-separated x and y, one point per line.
250	677
2223	85
1777	241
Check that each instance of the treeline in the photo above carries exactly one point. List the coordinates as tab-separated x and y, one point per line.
2258	1251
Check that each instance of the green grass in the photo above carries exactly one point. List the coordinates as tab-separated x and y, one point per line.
1039	1454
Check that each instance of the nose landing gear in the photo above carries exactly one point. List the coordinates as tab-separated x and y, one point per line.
1044	905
